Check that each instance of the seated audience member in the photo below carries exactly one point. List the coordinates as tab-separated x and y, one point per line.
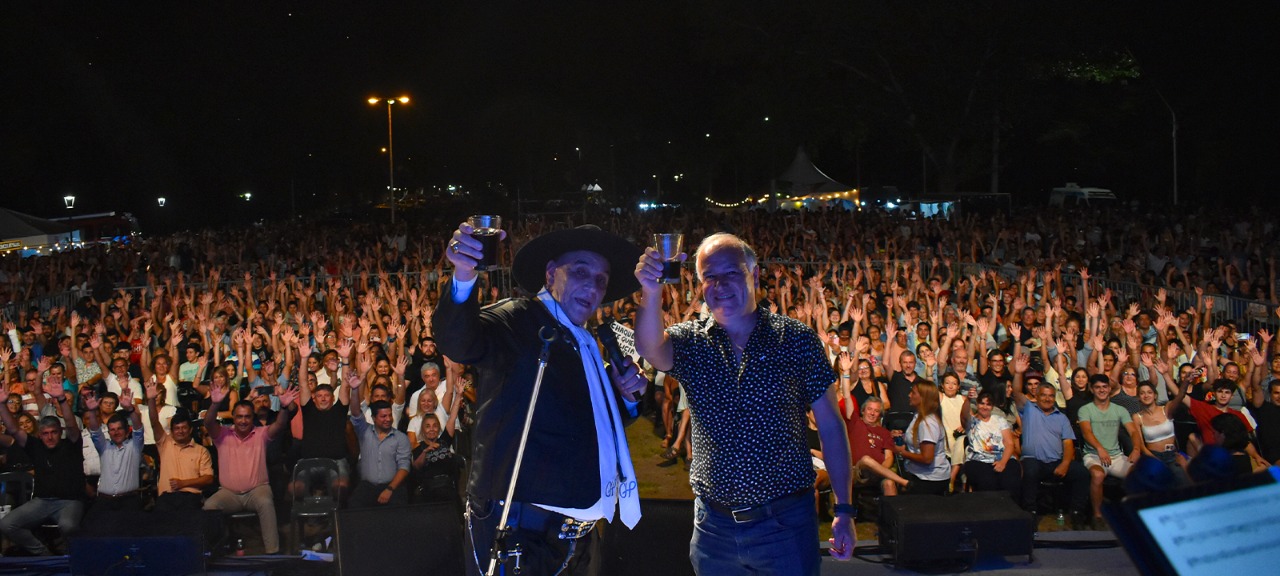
1048	446
989	464
435	465
871	446
1233	435
324	422
185	466
59	476
926	466
1205	412
1266	411
1155	423
242	462
120	454
1102	423
384	454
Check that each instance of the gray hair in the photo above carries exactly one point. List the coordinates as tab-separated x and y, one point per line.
430	366
727	239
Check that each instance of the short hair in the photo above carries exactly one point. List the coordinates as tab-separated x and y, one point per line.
50	422
375	407
728	240
1099	378
377	387
430	366
1224	384
989	396
110	396
119	418
323	388
180	416
246	403
871	400
1046	385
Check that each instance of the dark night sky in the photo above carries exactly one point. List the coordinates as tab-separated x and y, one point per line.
120	102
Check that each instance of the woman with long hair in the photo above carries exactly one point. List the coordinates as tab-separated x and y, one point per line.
924	443
866	384
1156	422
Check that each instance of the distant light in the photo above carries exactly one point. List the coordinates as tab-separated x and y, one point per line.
160	201
69	200
708	134
247	196
403	99
384	149
890	205
374	100
766	118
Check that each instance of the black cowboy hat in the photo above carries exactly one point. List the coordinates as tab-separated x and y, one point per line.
530	265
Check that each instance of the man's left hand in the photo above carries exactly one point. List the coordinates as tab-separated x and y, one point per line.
630	382
843	538
385	496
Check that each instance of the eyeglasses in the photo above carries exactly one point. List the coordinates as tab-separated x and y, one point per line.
1129	373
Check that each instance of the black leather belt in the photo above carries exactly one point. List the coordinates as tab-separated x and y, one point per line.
530	517
744	514
116	496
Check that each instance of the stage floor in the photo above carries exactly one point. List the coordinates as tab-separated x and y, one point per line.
1051	560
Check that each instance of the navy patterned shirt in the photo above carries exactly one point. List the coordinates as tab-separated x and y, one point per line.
749	418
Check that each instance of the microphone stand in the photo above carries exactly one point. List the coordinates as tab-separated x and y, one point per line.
496	554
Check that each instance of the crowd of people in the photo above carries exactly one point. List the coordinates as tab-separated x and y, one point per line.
217	360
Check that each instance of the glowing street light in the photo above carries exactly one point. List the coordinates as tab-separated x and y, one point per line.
391	157
69	200
160	201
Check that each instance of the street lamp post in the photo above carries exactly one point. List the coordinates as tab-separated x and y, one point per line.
391	157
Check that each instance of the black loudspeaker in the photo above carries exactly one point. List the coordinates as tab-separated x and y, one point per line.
961	528
409	540
659	544
142	543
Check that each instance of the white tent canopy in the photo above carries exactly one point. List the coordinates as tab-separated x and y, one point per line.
805	178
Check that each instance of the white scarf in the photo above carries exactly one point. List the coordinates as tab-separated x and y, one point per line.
609	432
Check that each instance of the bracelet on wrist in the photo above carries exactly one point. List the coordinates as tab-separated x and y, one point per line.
848	509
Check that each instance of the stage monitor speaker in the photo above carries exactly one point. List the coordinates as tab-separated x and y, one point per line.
409	540
961	528
659	544
134	542
138	555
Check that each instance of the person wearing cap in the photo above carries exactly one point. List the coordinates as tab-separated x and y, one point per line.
576	466
751	376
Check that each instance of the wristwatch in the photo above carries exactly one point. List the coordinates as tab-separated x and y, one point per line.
848	509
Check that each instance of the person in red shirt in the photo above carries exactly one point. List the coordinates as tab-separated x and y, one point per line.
1204	412
871	447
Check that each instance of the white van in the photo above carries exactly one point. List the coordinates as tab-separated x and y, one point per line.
1073	195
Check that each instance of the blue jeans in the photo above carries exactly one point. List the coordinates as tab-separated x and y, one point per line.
18	523
786	543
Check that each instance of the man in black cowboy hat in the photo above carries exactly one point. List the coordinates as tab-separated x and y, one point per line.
576	468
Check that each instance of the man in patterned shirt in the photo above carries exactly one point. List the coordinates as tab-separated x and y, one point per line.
750	376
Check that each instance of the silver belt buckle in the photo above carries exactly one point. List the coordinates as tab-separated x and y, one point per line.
573	529
734	513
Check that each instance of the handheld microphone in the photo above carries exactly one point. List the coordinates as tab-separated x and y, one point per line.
610	341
